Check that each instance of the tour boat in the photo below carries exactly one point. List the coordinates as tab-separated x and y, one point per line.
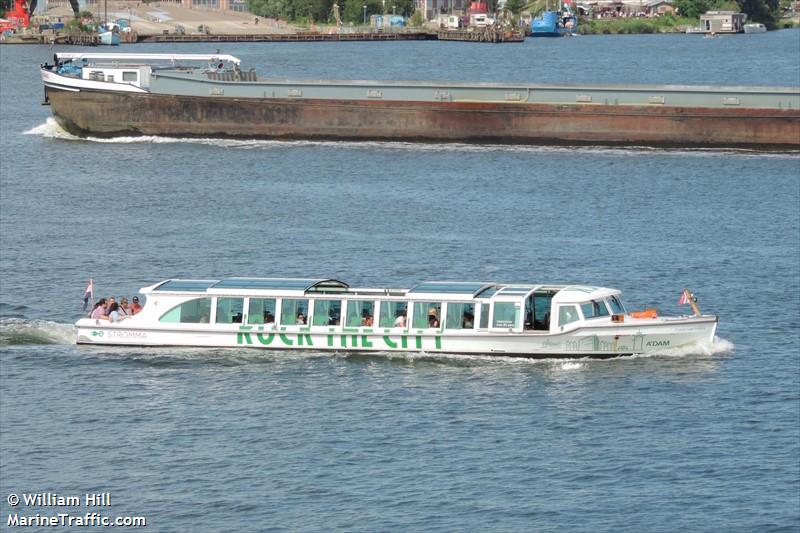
538	321
107	95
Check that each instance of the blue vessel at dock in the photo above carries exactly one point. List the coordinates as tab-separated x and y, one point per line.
563	22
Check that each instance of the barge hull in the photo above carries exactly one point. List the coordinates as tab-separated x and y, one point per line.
108	114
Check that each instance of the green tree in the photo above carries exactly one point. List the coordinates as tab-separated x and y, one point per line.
691	8
515	6
354	10
269	8
401	7
765	11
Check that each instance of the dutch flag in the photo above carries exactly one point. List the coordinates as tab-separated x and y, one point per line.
684	298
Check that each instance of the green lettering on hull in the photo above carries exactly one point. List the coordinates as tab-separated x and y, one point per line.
358	338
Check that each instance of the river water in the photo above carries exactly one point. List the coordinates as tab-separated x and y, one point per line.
216	440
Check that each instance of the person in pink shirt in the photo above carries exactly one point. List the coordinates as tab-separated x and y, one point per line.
99	310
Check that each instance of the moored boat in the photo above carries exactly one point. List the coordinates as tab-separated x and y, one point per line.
559	23
755	27
108	95
537	321
108	34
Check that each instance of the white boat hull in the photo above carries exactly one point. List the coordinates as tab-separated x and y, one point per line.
633	336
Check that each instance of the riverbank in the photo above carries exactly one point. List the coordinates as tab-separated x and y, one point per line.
164	22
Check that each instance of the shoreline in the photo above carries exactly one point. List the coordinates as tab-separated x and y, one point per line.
157	22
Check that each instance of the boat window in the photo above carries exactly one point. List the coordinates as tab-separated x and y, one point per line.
294	311
567	314
616	306
229	310
594	309
460	316
506	315
190	312
130	75
261	311
427	314
393	315
360	313
484	316
327	313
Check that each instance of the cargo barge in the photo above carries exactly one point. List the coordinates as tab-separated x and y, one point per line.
106	95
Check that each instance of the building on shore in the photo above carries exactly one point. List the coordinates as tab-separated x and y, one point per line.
224	5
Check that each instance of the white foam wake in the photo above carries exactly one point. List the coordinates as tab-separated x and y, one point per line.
716	347
25	331
51	129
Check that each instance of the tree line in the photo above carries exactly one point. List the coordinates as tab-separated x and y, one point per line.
765	11
322	11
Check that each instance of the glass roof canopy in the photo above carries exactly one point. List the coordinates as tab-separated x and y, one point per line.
454	287
186	285
470	289
281	284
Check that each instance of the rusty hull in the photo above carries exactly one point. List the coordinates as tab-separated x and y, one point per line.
107	114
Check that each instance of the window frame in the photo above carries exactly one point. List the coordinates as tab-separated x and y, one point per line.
350	305
211	310
518	306
252	299
393	318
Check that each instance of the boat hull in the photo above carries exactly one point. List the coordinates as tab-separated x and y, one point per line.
88	112
109	38
595	342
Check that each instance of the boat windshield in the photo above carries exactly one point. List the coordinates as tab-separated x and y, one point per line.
593	309
616	306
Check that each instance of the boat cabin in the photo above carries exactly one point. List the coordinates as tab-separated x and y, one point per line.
723	22
332	305
136	69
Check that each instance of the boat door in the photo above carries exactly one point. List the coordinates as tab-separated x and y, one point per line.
537	310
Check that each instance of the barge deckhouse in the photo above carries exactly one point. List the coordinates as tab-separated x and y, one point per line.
432	317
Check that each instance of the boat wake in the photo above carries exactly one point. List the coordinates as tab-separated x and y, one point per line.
709	349
50	129
16	331
717	347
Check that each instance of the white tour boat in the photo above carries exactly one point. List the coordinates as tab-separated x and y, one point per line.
445	317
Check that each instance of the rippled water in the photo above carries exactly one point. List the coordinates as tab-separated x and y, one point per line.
701	440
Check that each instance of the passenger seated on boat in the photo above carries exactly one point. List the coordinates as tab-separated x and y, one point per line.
99	310
433	318
367	320
400	321
301	319
135	307
114	314
469	321
269	318
237	318
124	309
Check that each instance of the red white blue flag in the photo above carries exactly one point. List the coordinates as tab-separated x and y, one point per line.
684	298
88	294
